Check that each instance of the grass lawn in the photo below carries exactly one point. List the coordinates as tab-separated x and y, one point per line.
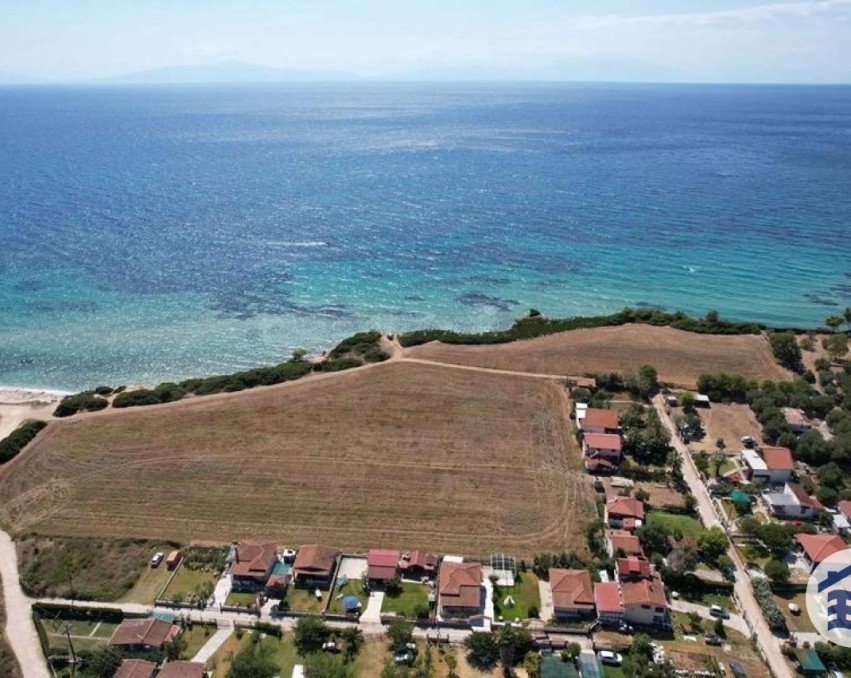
304	600
186	583
795	622
149	585
352	587
195	638
722	599
406	602
281	651
239	599
613	672
526	596
688	526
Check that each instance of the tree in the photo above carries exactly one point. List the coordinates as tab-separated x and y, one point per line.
712	316
103	662
400	633
682	560
776	538
712	543
595	538
642	495
834	321
254	662
532	665
353	641
785	347
695	622
718	459
482	650
690	503
777	571
641	646
654	539
570	652
688	402
309	635
836	345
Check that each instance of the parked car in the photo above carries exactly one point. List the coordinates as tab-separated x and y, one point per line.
403	658
612	658
157	559
719	612
713	639
748	441
330	646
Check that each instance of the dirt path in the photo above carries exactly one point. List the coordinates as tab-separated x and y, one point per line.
751	611
486	370
20	630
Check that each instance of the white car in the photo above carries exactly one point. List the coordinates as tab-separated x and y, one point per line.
157	559
612	658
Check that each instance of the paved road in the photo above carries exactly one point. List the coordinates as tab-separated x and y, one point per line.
751	611
20	629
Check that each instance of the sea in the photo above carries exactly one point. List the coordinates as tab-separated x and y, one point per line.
157	233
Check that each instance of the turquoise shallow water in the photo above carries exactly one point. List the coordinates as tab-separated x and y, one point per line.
161	233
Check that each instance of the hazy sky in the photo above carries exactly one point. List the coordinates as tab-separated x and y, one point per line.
668	40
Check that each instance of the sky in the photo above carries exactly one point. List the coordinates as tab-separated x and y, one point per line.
800	41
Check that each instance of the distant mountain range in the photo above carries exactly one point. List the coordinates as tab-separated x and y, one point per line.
227	72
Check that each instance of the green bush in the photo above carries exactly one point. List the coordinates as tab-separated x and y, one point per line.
18	439
770	609
538	326
86	401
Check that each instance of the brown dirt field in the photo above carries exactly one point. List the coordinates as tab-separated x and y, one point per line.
680	357
729	422
661	495
400	455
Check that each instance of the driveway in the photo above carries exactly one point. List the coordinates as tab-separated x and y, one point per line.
372	613
734	622
547	608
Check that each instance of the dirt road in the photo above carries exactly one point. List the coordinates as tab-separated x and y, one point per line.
751	611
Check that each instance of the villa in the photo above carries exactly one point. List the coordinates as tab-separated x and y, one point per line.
460	591
573	593
252	564
645	602
622	543
382	565
818	547
144	634
599	421
624	513
314	565
770	465
792	503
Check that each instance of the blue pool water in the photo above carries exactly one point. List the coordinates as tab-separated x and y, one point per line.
152	233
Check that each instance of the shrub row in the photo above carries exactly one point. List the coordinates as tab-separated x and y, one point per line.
538	326
18	439
87	401
770	609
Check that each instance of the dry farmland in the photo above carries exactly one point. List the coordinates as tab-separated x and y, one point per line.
399	455
680	357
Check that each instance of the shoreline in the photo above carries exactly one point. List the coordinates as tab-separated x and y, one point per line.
20	395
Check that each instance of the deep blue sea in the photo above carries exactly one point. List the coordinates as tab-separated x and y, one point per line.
158	233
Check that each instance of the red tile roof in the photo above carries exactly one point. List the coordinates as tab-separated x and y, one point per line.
421	559
633	567
383	558
622	540
314	559
603	441
625	507
135	668
253	558
777	458
794	416
459	584
802	496
644	592
594	417
181	669
607	597
820	546
150	632
572	589
845	507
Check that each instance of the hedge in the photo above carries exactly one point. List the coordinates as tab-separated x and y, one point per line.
18	439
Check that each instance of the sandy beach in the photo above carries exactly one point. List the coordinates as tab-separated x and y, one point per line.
19	404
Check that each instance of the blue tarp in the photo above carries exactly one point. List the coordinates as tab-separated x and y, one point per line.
351	603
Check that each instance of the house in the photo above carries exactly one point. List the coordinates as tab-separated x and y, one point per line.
459	589
419	564
173	560
602	445
844	507
792	503
818	547
645	603
840	523
183	669
599	466
796	420
770	465
633	568
382	565
624	513
600	421
252	564
144	634
315	565
607	600
573	593
589	383
136	668
622	543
